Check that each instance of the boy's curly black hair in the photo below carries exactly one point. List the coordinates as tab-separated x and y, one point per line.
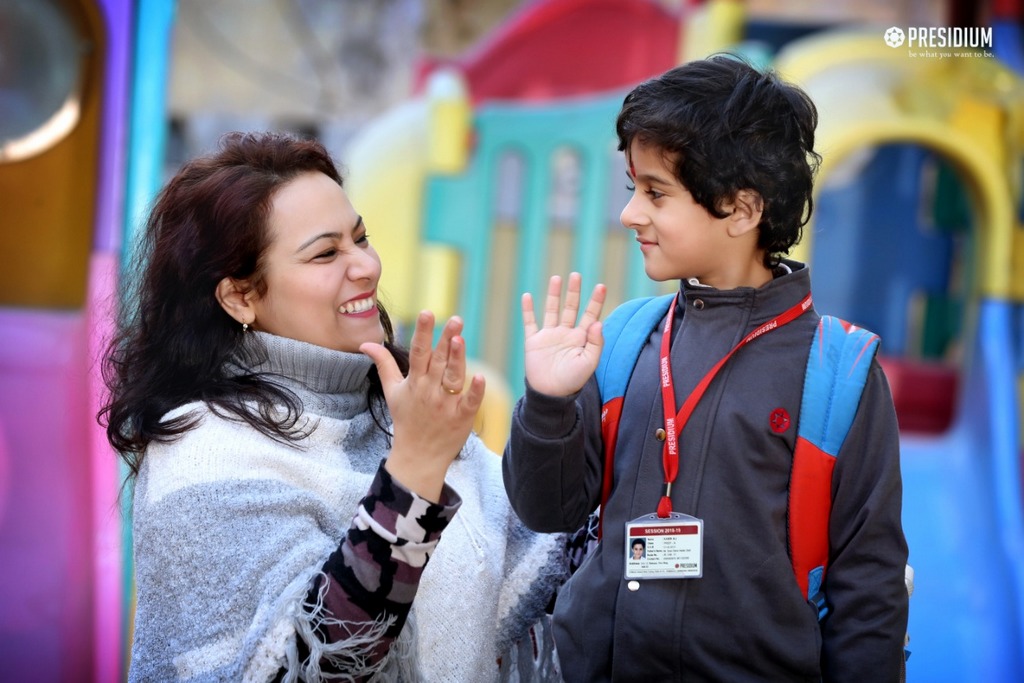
725	127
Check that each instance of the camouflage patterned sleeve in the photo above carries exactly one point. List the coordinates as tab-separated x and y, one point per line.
373	576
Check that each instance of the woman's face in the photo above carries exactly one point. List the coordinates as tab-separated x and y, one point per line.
321	272
638	552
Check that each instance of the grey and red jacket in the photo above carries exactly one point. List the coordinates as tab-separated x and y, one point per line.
746	618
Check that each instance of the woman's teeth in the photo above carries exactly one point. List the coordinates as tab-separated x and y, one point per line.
357	306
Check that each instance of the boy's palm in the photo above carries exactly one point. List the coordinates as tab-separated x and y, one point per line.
562	355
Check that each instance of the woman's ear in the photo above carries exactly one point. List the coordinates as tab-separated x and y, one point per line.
235	297
745	216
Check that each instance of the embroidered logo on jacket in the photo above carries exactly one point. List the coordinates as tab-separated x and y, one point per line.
779	420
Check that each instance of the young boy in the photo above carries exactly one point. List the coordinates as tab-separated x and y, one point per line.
722	161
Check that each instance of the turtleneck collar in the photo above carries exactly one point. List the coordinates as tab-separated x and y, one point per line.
329	382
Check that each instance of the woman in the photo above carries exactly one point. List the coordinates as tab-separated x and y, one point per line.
290	462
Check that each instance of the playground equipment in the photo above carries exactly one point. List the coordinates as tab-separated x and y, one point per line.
962	486
63	593
430	137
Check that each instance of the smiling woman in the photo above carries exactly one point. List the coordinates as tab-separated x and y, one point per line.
320	271
294	470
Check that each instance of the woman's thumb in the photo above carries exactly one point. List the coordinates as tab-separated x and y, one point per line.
387	368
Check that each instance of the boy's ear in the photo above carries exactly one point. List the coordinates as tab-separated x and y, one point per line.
745	213
235	297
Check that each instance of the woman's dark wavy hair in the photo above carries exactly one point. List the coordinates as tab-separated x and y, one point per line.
174	340
727	127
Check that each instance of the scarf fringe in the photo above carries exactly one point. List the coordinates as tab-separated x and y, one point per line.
352	658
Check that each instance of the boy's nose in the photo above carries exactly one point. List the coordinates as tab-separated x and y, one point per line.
631	217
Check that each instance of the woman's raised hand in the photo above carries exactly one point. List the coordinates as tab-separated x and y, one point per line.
562	354
431	412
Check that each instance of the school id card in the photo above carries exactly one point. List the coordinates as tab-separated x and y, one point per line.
665	548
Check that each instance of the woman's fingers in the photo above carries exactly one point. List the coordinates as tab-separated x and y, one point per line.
454	375
441	367
439	358
419	348
474	396
385	362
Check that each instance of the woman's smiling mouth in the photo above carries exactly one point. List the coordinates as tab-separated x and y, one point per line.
358	306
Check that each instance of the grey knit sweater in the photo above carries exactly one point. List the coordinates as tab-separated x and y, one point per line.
232	528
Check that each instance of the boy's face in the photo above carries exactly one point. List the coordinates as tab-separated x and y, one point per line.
678	237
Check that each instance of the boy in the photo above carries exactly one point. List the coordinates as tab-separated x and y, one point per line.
722	161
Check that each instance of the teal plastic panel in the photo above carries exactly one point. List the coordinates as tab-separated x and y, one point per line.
461	213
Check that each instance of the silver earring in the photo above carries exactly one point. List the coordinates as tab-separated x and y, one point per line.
245	327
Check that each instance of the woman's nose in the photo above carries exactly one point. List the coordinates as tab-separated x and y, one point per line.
364	265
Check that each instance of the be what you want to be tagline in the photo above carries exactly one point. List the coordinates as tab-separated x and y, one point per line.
941	42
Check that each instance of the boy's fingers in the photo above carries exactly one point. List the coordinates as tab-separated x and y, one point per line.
572	301
594	306
552	300
529	320
594	337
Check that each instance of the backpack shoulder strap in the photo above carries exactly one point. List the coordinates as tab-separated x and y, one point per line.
837	370
625	332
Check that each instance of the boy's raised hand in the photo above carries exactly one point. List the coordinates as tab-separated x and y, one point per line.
562	354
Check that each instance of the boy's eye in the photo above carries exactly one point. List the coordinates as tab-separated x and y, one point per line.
654	194
631	187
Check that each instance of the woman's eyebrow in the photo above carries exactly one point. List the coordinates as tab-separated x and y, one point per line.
311	240
329	235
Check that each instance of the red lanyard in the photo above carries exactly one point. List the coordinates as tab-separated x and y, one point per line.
674	423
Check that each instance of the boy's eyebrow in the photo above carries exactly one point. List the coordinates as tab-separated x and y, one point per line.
648	178
331	235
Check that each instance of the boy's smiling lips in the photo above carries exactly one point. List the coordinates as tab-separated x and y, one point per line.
645	244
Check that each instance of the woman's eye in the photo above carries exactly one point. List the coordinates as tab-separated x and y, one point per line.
326	254
365	239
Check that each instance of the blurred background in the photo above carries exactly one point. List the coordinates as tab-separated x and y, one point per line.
478	142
